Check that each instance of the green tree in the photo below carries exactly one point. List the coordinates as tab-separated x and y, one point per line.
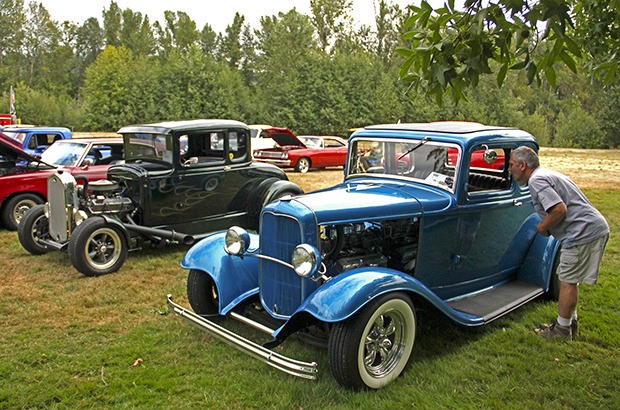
112	24
329	18
136	33
12	20
230	44
181	29
40	37
106	87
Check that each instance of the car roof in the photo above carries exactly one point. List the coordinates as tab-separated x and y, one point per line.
18	128
168	127
452	127
463	133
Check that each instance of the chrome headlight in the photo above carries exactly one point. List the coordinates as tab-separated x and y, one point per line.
237	241
306	260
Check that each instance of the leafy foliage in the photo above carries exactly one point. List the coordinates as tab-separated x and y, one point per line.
450	49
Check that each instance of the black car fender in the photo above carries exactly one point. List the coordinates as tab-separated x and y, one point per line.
113	221
266	192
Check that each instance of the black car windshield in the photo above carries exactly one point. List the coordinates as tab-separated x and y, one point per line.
148	146
66	153
433	163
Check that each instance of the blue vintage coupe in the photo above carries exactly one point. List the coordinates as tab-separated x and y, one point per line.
428	214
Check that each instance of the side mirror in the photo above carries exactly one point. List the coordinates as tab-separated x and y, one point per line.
87	162
490	156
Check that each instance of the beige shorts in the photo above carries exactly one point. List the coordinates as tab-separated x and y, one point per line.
580	264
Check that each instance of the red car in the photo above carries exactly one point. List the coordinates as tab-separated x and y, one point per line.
23	177
303	152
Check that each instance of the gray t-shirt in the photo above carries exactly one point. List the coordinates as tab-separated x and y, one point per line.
583	222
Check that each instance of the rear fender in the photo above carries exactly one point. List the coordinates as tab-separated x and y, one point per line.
236	277
344	295
538	263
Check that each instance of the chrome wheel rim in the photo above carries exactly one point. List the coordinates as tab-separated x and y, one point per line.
21	208
386	343
103	248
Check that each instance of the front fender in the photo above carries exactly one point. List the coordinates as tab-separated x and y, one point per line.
346	294
236	277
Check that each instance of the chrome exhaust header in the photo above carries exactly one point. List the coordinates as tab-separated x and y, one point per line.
285	364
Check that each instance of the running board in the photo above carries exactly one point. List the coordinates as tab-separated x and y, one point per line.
495	302
285	364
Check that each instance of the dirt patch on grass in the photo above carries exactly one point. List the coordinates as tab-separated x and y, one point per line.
592	168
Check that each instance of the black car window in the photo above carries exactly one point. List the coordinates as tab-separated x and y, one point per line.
203	148
237	145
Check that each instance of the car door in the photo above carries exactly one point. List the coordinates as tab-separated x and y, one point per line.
335	152
490	244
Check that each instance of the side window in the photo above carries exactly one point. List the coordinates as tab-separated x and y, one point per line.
488	170
202	148
237	145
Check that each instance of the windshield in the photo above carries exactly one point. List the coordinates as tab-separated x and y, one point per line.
431	162
66	154
145	146
312	142
18	136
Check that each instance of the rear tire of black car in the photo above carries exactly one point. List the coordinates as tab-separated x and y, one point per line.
33	227
16	207
202	293
373	347
97	247
303	165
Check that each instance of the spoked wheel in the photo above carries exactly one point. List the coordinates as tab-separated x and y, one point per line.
97	247
33	227
372	348
16	208
303	165
202	293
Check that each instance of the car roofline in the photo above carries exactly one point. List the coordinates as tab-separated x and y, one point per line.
189	125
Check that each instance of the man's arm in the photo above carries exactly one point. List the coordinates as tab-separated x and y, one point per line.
555	215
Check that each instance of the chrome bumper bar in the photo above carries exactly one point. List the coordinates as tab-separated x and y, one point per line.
287	365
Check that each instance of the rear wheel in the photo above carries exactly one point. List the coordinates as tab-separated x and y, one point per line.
372	348
16	208
97	247
33	227
202	293
303	165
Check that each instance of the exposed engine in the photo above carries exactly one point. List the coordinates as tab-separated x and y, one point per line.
391	243
105	197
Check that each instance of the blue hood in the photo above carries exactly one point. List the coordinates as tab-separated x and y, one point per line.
370	199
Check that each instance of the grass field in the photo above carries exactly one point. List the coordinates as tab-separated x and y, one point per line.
70	341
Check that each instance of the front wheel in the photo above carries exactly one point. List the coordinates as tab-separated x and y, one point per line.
202	293
97	247
303	165
16	208
33	227
372	348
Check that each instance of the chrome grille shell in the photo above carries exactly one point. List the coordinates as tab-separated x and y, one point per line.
61	203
